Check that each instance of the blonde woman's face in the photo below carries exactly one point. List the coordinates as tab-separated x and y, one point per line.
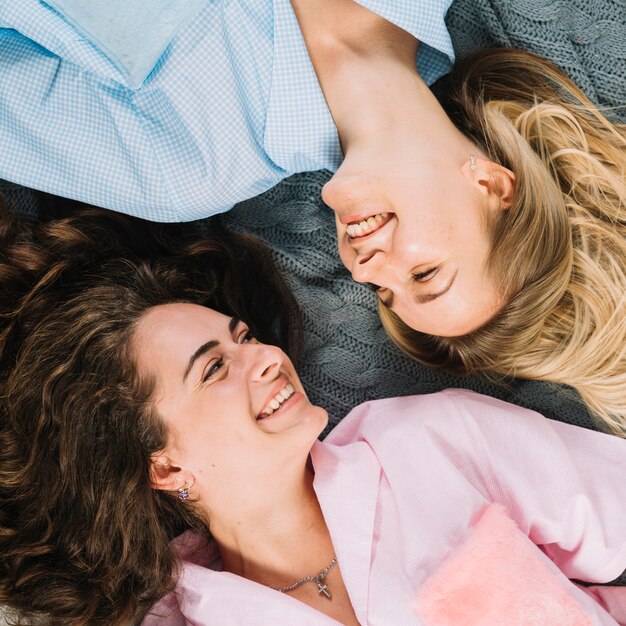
419	236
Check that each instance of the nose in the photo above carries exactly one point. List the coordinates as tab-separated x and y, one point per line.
367	266
335	194
266	362
348	191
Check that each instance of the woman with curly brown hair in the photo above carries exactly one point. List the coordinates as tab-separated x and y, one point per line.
135	404
72	480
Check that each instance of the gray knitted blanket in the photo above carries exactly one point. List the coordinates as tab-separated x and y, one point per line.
347	358
586	38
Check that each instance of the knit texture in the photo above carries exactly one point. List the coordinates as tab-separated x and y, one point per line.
585	38
347	358
19	199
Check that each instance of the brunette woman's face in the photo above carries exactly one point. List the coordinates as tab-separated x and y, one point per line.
418	234
234	408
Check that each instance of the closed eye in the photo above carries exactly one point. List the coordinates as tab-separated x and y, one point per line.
420	298
424	277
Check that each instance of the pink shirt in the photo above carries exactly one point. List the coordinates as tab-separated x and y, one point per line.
408	488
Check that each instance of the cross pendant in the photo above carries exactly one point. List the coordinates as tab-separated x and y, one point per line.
322	588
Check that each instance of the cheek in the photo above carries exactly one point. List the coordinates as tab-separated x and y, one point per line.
426	236
216	421
471	309
346	254
219	449
468	305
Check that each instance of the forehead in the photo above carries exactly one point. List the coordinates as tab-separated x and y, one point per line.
175	329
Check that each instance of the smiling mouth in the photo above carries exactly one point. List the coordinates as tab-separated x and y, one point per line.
277	401
363	228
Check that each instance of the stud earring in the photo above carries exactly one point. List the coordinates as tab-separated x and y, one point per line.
183	492
472	159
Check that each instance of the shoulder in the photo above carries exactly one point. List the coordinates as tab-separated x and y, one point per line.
441	410
455	424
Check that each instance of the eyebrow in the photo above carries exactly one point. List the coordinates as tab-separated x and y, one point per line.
209	345
429	297
423	298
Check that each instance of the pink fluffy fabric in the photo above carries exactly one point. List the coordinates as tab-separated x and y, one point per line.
496	577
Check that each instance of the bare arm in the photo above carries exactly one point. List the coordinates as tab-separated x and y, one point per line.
359	57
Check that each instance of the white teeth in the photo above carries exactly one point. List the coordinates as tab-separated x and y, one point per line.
284	394
367	226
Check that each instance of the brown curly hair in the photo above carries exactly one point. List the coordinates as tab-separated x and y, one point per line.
83	536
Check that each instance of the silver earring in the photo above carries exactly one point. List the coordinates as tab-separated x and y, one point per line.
472	158
183	492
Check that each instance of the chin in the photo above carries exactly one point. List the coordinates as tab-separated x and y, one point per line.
310	428
318	419
343	256
457	328
323	417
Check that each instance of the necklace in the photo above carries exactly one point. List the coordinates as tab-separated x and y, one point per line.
318	580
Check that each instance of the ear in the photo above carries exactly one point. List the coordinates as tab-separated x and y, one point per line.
496	181
166	475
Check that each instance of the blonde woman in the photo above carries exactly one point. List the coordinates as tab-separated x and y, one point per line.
557	246
493	234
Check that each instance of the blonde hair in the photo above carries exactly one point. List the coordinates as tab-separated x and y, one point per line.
559	252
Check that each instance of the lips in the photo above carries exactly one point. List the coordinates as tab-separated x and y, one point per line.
285	391
366	226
